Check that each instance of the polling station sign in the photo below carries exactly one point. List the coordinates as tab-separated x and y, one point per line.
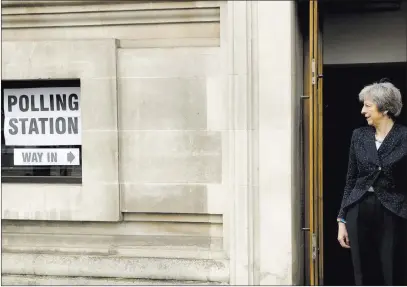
42	116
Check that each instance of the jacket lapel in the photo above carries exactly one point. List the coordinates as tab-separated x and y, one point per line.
370	146
389	142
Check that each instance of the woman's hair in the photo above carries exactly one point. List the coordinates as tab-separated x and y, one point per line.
385	95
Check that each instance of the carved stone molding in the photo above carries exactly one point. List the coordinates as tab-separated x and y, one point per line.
101	3
38	14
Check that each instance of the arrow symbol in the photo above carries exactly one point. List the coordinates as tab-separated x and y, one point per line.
70	157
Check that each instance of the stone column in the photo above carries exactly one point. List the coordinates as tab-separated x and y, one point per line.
262	40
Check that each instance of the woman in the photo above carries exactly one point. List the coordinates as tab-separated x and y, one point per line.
372	220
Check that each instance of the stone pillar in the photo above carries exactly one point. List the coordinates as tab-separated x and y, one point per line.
279	159
262	39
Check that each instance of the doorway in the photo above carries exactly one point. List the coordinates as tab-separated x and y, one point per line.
342	84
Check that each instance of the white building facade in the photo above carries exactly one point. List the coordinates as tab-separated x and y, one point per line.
191	142
190	135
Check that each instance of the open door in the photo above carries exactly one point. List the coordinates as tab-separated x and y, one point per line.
315	152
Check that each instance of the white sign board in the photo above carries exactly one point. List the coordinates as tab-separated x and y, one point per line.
42	116
46	156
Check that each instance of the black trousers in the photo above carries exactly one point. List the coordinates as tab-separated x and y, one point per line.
378	243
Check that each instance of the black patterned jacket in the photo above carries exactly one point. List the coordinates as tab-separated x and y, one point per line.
385	169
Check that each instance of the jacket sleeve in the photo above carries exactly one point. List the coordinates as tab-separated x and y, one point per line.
351	175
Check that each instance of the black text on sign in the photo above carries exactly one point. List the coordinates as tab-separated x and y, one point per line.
46	156
42	116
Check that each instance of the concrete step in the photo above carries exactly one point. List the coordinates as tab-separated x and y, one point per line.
112	266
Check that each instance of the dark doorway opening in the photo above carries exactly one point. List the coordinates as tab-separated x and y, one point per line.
342	84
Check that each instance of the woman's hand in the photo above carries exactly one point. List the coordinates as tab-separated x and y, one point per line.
343	235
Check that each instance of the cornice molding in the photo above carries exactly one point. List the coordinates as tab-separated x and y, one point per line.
42	14
50	3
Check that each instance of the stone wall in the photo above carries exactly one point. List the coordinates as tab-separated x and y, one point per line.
190	118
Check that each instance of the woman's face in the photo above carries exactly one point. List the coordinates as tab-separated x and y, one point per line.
371	113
